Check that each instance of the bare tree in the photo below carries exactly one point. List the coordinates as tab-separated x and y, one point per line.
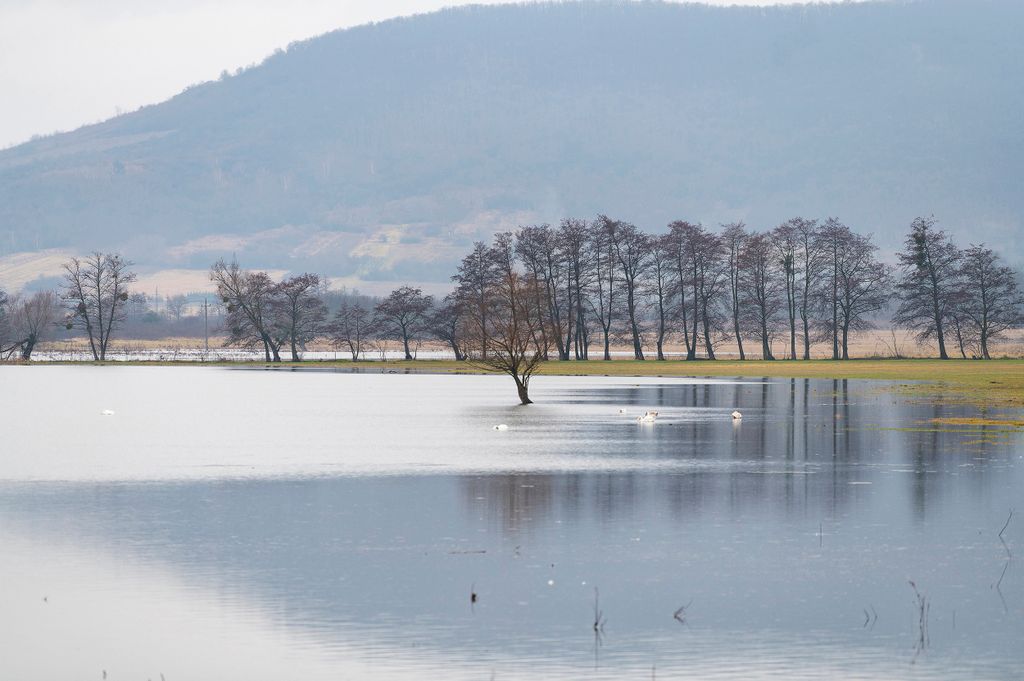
248	298
508	343
298	311
992	301
734	237
710	278
761	291
930	282
475	280
659	284
537	248
447	323
964	332
863	286
175	306
632	250
603	301
96	291
33	319
352	327
684	236
8	344
810	264
831	241
786	240
574	244
403	314
138	305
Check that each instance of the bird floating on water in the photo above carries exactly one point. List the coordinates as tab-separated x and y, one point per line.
737	416
648	417
107	412
501	426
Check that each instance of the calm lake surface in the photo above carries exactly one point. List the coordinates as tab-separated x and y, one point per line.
247	524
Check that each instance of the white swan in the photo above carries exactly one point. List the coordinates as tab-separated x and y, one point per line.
622	411
737	416
501	426
107	412
647	417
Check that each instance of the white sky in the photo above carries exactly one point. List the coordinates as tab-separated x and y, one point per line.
66	63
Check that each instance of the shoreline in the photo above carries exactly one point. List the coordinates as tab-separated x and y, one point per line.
996	383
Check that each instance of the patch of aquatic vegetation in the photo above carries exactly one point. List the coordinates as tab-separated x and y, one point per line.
981	421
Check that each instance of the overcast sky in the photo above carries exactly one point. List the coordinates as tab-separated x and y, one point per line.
65	63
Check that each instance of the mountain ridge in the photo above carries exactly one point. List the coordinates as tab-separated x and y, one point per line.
383	151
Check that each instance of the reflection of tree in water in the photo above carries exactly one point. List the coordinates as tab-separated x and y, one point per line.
796	453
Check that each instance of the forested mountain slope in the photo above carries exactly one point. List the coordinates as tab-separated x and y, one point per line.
383	151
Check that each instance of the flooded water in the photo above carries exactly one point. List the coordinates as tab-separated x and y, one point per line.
247	524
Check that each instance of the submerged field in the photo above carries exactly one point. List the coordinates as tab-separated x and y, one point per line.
997	383
993	382
319	524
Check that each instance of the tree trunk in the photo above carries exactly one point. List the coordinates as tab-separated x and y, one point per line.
295	351
707	338
607	347
405	344
936	313
524	394
661	331
807	338
638	351
766	347
736	330
846	335
26	348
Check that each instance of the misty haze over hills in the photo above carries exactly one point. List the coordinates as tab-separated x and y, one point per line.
382	152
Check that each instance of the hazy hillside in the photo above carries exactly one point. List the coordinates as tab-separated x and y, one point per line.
382	151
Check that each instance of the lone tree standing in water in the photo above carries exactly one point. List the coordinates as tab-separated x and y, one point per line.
96	290
508	343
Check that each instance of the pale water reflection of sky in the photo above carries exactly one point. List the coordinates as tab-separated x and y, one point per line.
278	524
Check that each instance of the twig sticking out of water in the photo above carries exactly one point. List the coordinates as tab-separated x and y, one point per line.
870	618
599	619
1006	524
598	629
680	614
1009	554
923	608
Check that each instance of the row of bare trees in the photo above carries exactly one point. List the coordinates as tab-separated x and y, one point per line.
266	315
802	283
606	281
546	292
